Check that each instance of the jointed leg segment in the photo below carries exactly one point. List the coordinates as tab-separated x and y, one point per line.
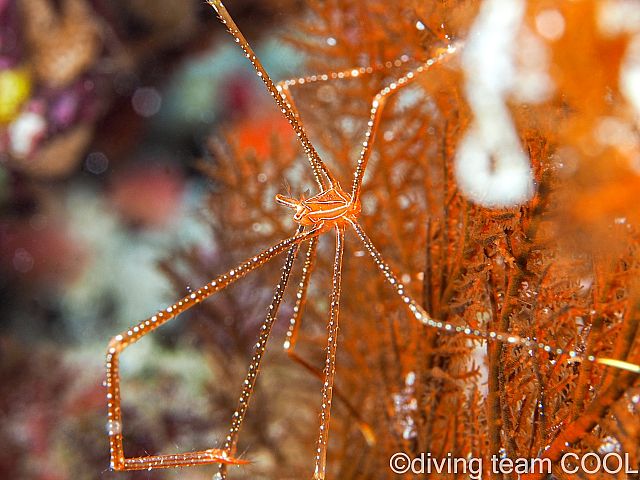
249	383
292	337
122	341
330	365
317	165
322	219
377	107
423	317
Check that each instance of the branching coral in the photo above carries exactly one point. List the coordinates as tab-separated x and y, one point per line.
559	268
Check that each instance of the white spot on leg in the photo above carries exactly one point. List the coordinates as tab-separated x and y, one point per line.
113	427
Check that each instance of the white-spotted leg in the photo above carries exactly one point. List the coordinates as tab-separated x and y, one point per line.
330	365
125	339
423	317
265	331
301	297
292	337
317	164
377	107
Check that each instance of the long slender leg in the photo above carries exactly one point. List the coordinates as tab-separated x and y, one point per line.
330	365
283	86
347	73
378	105
122	341
422	316
301	297
249	383
292	337
317	164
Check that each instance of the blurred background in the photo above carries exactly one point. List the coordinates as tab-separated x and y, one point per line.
104	109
